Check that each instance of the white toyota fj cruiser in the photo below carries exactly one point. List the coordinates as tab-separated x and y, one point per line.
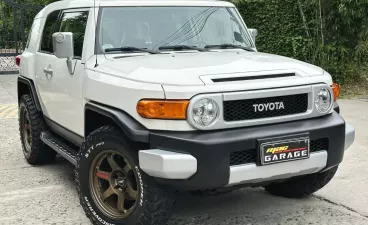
147	98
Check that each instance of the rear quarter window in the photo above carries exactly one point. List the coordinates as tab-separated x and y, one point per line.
48	30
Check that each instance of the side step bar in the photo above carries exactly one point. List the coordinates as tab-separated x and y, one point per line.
60	147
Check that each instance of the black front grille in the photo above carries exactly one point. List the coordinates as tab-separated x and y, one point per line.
319	144
250	156
244	109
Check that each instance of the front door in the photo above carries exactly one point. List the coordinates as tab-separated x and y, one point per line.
62	92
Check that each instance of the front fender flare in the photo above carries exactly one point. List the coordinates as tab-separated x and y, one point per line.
131	128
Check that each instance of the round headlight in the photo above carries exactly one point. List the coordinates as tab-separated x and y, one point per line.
205	112
323	100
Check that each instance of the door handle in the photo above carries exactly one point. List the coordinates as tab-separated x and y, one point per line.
48	71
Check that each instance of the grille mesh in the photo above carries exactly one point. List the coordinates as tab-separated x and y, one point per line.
243	157
319	144
250	156
244	110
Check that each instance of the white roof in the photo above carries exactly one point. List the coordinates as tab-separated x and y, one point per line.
72	4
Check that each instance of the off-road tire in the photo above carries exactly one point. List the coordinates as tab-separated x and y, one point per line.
302	186
38	152
155	204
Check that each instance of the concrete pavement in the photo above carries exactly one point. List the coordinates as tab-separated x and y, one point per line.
46	194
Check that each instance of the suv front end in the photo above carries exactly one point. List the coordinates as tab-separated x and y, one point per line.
231	129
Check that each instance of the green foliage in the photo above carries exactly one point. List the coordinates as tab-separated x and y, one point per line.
276	22
7	22
330	34
34	2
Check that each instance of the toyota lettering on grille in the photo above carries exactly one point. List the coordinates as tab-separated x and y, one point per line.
268	106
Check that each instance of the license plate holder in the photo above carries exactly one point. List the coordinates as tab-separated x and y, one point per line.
284	150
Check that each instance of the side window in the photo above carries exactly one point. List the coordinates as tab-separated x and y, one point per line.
48	30
76	23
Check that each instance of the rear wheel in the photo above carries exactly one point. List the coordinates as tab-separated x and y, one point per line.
111	186
303	185
31	124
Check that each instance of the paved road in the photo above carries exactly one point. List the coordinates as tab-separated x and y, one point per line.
46	194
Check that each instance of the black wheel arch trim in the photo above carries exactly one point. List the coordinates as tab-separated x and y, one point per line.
131	128
32	90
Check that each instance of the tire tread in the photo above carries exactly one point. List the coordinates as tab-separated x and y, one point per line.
40	153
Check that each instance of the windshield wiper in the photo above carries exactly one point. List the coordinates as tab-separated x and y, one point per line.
225	46
131	49
182	47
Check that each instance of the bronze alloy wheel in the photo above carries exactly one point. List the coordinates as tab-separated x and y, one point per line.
26	132
113	184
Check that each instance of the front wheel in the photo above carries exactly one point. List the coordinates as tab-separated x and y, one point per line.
112	188
303	185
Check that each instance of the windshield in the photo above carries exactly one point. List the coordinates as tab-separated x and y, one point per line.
155	27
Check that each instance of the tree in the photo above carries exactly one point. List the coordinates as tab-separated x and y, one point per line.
330	34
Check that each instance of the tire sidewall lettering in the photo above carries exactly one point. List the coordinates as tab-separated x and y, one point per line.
141	200
93	147
94	213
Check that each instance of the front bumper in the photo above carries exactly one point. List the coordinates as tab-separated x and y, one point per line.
201	160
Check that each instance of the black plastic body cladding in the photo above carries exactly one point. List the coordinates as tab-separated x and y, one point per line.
32	90
336	107
134	130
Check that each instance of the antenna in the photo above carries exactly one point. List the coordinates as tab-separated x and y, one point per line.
95	19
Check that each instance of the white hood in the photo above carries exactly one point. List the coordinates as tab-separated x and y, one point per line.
187	68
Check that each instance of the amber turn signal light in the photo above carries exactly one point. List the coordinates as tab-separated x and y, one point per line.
158	109
336	91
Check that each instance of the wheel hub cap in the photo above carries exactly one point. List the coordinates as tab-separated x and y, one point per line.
122	182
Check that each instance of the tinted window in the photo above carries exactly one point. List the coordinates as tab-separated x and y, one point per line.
46	44
76	23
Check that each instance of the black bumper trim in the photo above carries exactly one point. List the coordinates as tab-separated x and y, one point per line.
212	149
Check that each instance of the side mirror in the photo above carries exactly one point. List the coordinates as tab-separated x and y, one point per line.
64	47
253	33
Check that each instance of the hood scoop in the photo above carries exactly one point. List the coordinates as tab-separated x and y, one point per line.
258	77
